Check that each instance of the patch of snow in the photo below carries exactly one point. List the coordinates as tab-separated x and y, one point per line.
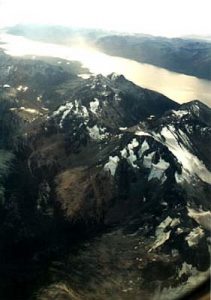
141	132
69	107
156	173
128	152
186	269
5	86
45	108
194	236
144	147
132	158
179	230
158	170
30	110
114	76
85	112
191	164
180	113
175	222
161	235
151	117
84	76
94	105
76	107
22	88
65	109
147	161
133	144
203	218
163	178
122	128
112	164
189	128
124	153
117	97
97	133
195	109
184	138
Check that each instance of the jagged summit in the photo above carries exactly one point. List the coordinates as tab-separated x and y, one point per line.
112	103
114	76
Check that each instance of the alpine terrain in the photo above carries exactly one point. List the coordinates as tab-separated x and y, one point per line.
104	186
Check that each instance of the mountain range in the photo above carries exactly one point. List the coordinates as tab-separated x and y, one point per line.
104	186
187	55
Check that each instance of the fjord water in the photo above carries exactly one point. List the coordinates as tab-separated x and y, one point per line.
179	87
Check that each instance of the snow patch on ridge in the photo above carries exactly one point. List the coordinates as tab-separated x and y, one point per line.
133	144
30	110
141	132
65	110
144	147
69	107
27	110
161	234
94	105
180	113
97	133
191	164
147	161
194	236
158	170
203	218
186	269
112	164
22	88
129	154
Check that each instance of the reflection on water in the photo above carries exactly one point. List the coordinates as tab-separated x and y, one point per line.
179	87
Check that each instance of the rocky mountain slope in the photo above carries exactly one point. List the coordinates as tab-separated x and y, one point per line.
104	187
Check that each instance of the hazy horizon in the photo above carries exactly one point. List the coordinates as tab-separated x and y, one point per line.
158	18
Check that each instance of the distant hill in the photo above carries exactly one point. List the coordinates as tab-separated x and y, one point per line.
198	37
57	34
191	57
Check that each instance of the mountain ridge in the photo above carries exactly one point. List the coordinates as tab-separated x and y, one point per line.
105	185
